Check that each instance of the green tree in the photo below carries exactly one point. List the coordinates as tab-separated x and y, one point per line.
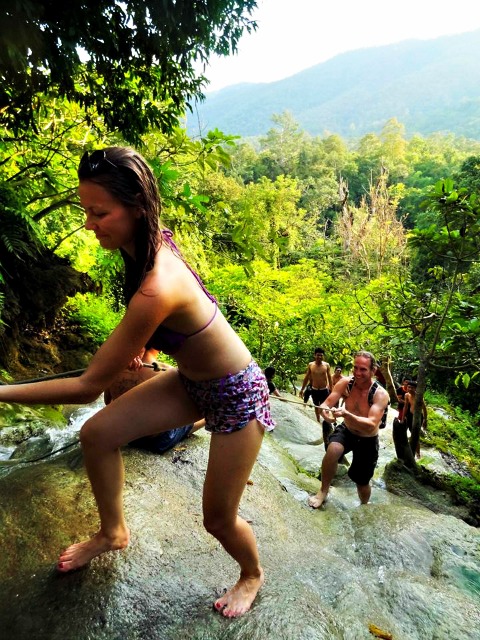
433	308
280	147
132	62
371	234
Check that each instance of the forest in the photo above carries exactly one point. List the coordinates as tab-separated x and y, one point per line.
306	241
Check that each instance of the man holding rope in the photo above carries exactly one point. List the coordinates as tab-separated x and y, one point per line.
362	413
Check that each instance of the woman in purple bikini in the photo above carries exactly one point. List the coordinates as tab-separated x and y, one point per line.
170	310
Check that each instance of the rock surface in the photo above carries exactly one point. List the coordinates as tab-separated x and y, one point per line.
330	573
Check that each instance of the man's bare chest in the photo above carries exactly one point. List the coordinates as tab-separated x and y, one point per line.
357	402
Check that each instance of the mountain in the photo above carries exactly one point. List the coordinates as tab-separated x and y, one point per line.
428	85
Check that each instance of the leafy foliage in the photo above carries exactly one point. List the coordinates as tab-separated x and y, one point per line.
132	62
452	431
94	315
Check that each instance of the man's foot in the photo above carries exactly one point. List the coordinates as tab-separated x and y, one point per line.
240	597
80	554
316	501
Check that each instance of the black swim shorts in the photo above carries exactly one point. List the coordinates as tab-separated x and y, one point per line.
365	453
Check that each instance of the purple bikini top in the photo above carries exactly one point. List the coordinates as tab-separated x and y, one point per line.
168	340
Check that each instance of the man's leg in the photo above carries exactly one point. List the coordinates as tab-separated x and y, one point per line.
364	461
329	469
317	399
364	492
327	430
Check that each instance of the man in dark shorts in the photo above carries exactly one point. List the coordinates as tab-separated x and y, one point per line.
317	380
359	431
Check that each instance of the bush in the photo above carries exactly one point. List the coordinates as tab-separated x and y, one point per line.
94	315
456	433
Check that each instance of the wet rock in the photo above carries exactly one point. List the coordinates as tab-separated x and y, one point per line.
330	573
33	448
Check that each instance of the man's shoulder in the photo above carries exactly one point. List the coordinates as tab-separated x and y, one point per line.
381	394
346	382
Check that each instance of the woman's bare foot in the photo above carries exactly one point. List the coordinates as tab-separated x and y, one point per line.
240	597
316	501
78	555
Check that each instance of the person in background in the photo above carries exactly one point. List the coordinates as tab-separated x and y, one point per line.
328	427
362	417
337	375
401	392
318	379
269	373
409	409
168	309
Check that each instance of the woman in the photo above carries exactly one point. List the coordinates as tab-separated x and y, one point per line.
168	309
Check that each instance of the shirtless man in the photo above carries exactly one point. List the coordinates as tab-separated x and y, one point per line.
359	431
319	377
409	409
337	375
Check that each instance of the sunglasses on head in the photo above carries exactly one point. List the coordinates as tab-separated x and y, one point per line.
95	162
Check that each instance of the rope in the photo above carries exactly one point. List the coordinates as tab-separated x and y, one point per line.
76	372
67	374
303	404
315	406
47	455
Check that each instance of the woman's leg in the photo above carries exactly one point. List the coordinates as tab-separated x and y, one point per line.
154	406
231	459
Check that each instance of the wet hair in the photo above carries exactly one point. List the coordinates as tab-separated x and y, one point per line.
367	354
269	372
319	350
339	366
125	174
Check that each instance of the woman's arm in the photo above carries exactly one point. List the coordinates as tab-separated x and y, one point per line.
127	341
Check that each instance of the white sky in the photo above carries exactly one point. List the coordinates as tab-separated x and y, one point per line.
293	35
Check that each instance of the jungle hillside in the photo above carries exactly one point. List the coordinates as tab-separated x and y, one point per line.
429	85
305	240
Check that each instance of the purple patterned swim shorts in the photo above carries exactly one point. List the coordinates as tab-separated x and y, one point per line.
229	403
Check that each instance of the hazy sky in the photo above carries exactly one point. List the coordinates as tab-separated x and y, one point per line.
293	35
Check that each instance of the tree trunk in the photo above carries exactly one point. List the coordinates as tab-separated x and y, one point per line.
419	398
402	446
385	369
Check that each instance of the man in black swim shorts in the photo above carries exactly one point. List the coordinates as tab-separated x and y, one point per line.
359	431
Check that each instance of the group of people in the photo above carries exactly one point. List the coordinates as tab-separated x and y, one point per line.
363	405
216	383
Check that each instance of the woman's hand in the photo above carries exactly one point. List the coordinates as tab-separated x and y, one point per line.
137	363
